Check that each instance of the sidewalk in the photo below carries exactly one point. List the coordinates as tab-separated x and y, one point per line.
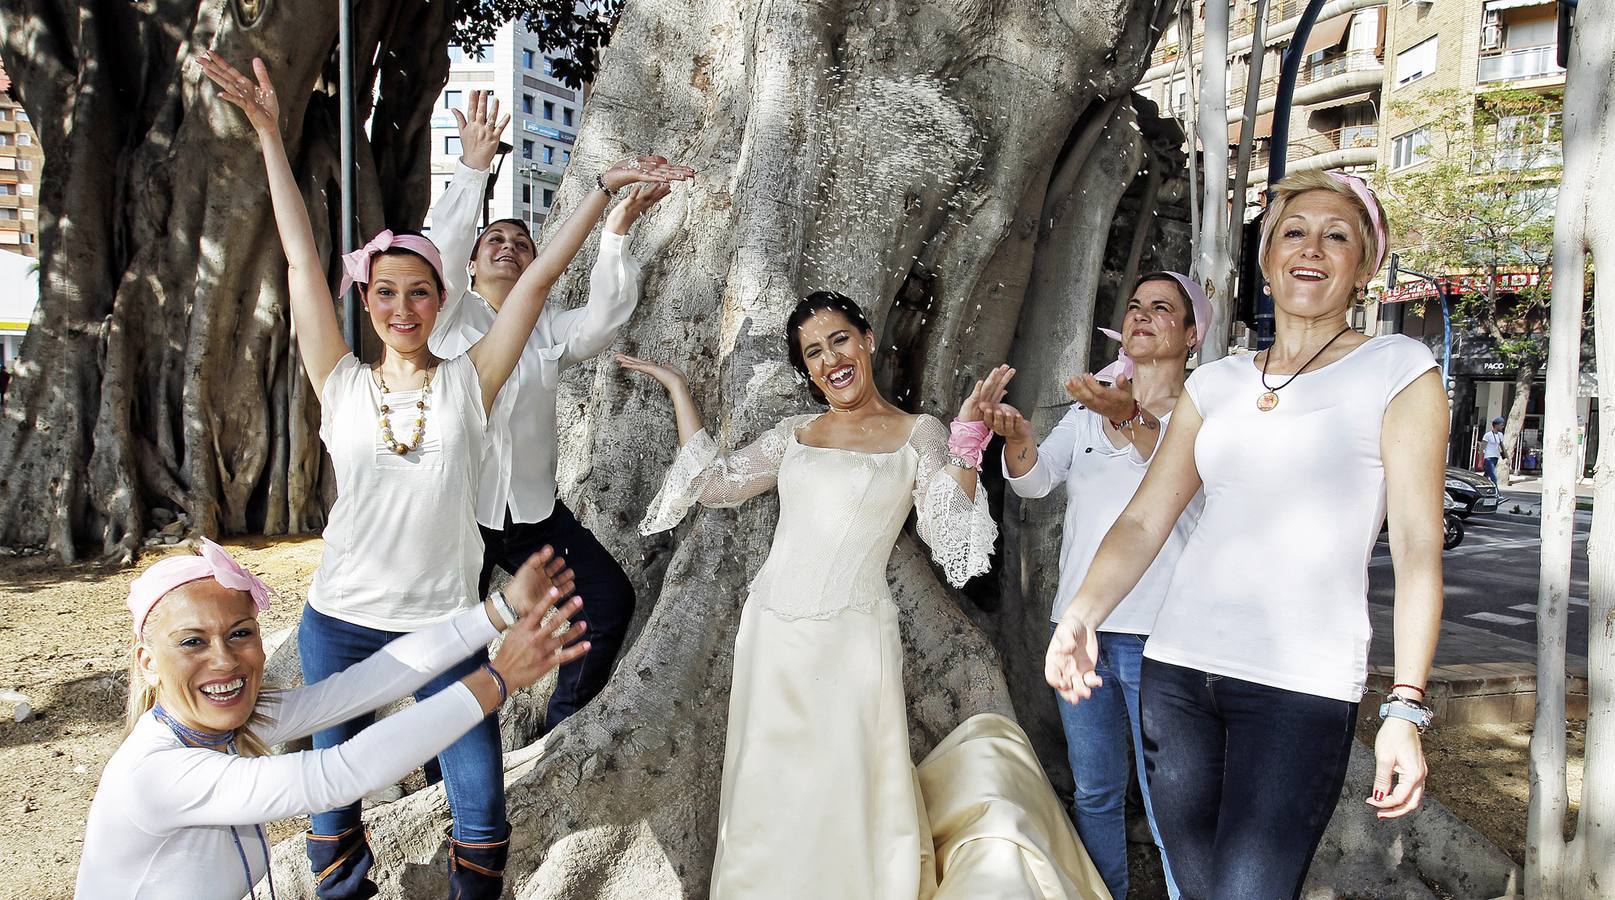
1526	493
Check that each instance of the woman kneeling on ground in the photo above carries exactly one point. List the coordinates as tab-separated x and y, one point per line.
180	808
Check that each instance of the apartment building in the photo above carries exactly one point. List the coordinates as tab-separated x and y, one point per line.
544	119
21	160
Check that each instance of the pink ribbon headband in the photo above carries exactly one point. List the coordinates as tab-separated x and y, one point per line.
1124	365
356	265
214	562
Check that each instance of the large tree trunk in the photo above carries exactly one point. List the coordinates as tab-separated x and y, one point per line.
1585	865
1514	422
1214	266
933	160
160	375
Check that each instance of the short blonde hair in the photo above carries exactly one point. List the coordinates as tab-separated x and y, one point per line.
1294	185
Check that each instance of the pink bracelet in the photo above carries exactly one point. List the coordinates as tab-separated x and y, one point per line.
967	440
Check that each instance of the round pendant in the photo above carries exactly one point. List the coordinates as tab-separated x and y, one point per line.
1267	401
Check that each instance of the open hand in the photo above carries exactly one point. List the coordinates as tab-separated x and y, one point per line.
480	129
669	376
636	202
1073	656
987	393
645	170
1114	402
1397	752
534	647
256	100
545	573
1007	422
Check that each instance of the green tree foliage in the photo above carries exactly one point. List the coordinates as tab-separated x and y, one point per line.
579	30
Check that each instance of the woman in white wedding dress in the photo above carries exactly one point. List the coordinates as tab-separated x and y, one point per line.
820	796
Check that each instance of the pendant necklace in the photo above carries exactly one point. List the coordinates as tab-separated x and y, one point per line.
1270	399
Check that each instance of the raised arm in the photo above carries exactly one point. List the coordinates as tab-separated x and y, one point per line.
1127	551
1413	449
319	333
613	284
495	355
454	215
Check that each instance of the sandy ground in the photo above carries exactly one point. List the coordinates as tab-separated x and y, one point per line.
64	643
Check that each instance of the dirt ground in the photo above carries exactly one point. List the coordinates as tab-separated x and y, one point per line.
64	644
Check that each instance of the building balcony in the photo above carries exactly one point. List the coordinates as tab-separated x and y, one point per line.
1340	64
1520	157
1519	65
1355	145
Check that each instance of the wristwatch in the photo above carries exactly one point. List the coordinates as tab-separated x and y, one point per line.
502	606
1397	706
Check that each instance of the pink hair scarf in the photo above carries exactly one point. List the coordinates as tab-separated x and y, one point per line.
170	573
1124	365
356	265
1376	217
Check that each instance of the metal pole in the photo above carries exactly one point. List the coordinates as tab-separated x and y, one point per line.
1279	145
349	237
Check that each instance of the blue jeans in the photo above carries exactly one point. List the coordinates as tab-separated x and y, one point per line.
1245	779
1491	470
1097	732
473	766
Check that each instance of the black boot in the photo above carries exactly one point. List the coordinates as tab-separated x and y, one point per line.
340	864
477	870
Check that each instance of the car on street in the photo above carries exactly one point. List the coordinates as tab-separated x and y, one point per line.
1471	492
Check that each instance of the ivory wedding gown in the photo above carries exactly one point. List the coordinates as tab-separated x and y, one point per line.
820	796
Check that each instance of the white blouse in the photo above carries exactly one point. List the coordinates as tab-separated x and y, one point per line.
1100	480
518	471
402	549
160	824
1272	587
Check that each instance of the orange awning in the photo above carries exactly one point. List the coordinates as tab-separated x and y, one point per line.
1327	34
1264	128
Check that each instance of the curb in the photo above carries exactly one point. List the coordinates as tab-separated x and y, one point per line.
1487	693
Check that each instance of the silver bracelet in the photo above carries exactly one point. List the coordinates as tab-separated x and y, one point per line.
502	606
960	462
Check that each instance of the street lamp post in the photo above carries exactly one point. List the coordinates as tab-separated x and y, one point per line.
348	230
499	163
1441	287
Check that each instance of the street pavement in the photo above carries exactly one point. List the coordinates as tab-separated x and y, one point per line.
1491	590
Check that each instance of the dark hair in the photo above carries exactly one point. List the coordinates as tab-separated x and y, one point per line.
476	246
1188	303
400	251
817	302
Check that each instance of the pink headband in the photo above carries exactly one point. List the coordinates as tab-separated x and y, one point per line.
214	563
1370	203
1123	366
356	265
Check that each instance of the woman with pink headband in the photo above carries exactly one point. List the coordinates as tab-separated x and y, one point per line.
1259	656
407	438
180	808
820	796
1100	451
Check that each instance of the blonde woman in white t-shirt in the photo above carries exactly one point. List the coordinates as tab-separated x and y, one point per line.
407	437
1252	676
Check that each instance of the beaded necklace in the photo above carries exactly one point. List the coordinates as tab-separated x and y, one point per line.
420	423
223	742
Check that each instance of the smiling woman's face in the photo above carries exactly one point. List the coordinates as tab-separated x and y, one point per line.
1314	259
1157	326
839	358
202	651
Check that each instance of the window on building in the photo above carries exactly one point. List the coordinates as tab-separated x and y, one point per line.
7	214
24	139
549	197
5	139
527	104
527	149
527	59
7	190
1410	149
549	110
566	115
22	115
27	214
451	145
1364	33
25	164
1416	62
5	115
456	53
566	155
1179	95
453	99
27	238
549	154
527	194
25	190
1530	33
549	66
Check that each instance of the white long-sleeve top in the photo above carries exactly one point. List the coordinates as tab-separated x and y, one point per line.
160	824
1100	479
518	470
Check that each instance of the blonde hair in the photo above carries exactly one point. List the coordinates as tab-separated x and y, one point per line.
1294	185
143	696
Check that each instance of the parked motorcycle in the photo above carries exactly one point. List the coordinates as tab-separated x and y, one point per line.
1455	524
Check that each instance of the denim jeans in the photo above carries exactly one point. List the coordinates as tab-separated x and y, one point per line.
1245	778
1097	732
608	598
473	766
1491	470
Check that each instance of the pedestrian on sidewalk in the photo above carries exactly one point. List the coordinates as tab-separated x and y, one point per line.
1492	449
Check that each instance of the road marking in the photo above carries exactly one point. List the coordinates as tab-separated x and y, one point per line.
1497	618
1379	562
1531	607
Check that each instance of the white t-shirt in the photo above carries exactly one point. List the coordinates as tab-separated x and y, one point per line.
1494	444
160	824
1273	585
518	471
1100	479
402	550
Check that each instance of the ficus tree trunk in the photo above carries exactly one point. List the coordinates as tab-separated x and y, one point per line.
1214	264
1583	866
158	378
957	168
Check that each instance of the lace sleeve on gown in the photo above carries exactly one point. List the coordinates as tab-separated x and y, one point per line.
959	530
701	474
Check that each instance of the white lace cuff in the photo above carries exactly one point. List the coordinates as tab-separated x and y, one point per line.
682	486
959	530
